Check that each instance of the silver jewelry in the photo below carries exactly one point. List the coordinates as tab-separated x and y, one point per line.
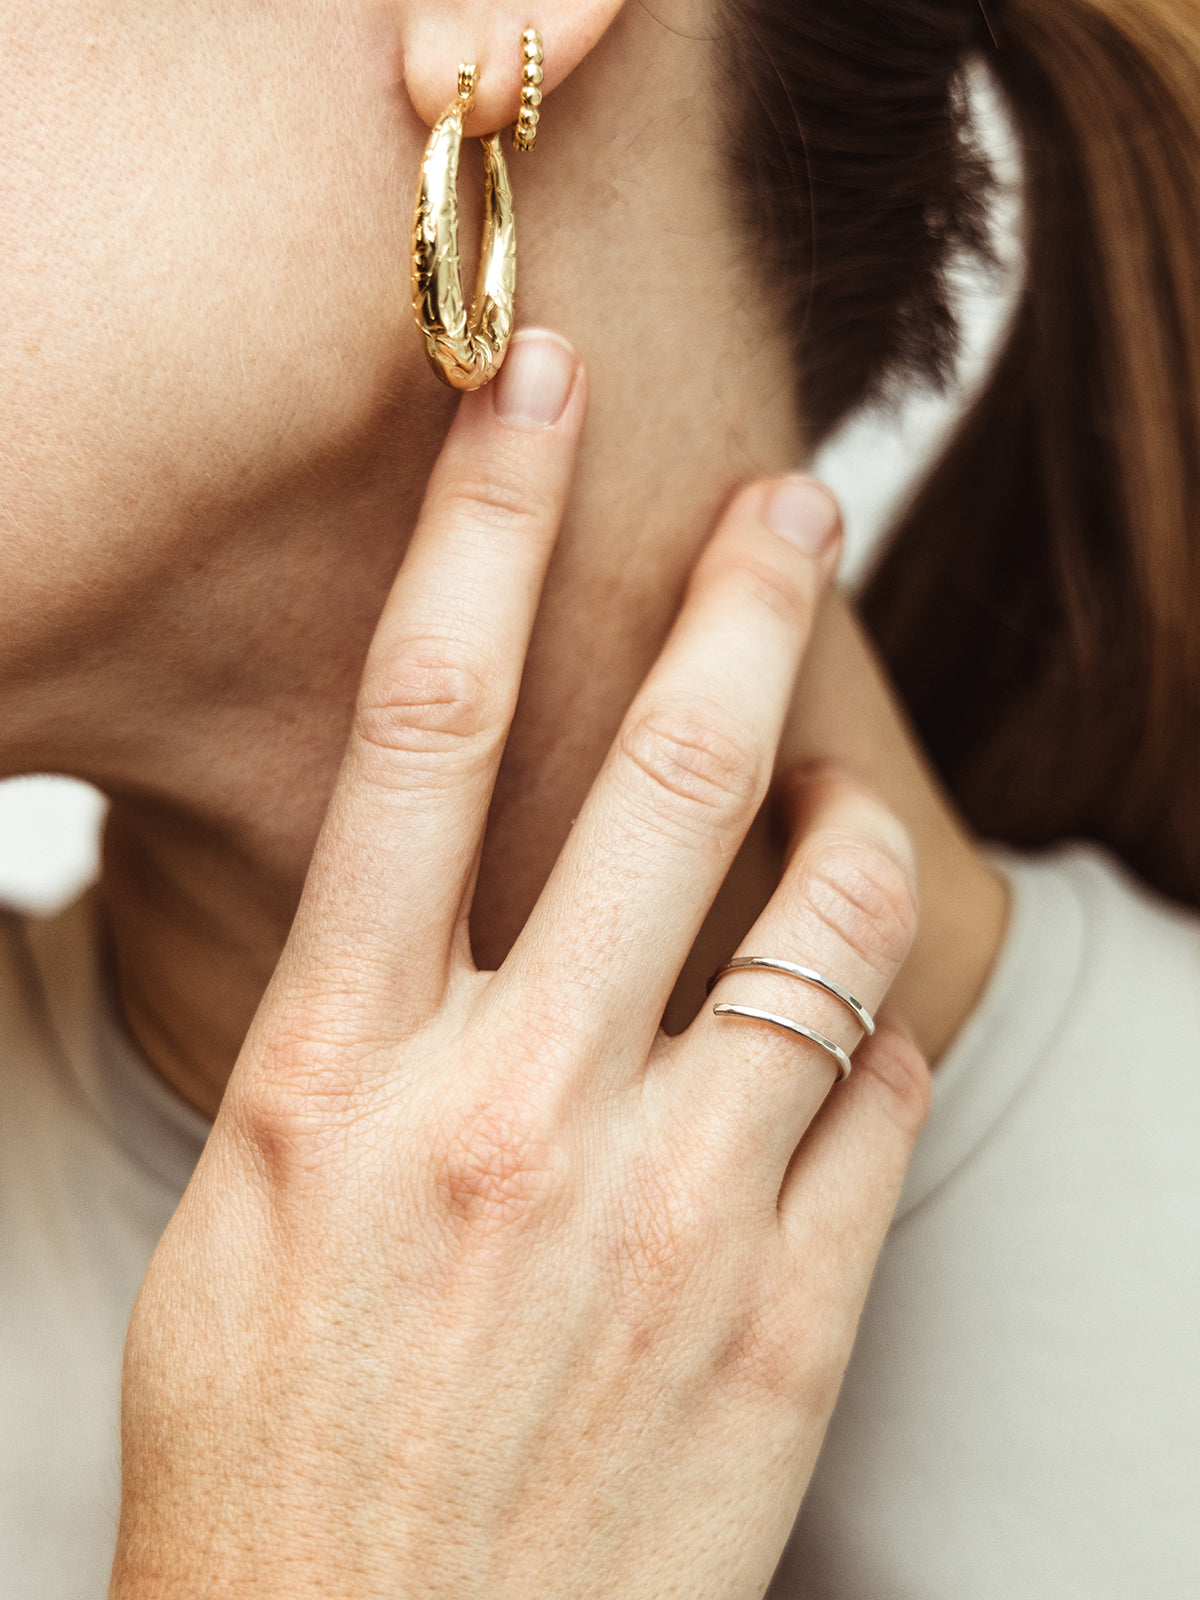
806	975
786	1023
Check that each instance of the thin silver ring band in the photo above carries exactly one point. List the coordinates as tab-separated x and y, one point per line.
835	1050
806	975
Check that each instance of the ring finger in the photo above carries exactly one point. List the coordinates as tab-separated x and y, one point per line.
845	910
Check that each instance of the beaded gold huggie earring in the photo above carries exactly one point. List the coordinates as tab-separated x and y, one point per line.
466	350
526	129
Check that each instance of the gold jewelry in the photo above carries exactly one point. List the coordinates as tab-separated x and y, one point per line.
466	351
526	129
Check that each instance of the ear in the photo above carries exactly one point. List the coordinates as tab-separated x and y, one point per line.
436	35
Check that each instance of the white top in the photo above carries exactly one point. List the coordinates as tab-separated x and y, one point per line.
1022	1414
95	1151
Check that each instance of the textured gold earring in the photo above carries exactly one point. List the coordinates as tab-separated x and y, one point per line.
466	349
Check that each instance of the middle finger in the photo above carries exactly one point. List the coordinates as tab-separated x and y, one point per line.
686	774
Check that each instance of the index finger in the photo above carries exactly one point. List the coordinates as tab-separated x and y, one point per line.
394	866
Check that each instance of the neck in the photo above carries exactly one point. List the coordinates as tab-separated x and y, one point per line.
216	803
218	795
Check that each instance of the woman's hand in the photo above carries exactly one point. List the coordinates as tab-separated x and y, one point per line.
484	1287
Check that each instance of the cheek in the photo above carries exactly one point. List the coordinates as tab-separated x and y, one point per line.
203	258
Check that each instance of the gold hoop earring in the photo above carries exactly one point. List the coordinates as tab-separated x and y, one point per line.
466	350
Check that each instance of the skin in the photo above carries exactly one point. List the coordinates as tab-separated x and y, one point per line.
471	1292
205	502
215	435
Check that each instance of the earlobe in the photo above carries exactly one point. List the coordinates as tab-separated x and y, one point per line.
438	35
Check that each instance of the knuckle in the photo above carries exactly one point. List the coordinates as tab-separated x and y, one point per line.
495	1166
434	696
897	1064
757	1360
696	761
291	1114
311	1072
864	895
786	1348
498	503
766	585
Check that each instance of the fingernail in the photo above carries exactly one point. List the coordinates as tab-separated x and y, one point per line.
803	513
535	380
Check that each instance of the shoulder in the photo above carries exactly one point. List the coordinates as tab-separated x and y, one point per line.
1127	960
1096	987
1118	909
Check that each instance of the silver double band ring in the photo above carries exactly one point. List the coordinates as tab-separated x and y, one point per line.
789	969
806	975
835	1050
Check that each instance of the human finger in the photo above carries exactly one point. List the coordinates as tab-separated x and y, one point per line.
687	772
837	1200
393	869
773	1039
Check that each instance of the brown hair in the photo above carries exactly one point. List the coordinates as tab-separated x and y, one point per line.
1039	603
